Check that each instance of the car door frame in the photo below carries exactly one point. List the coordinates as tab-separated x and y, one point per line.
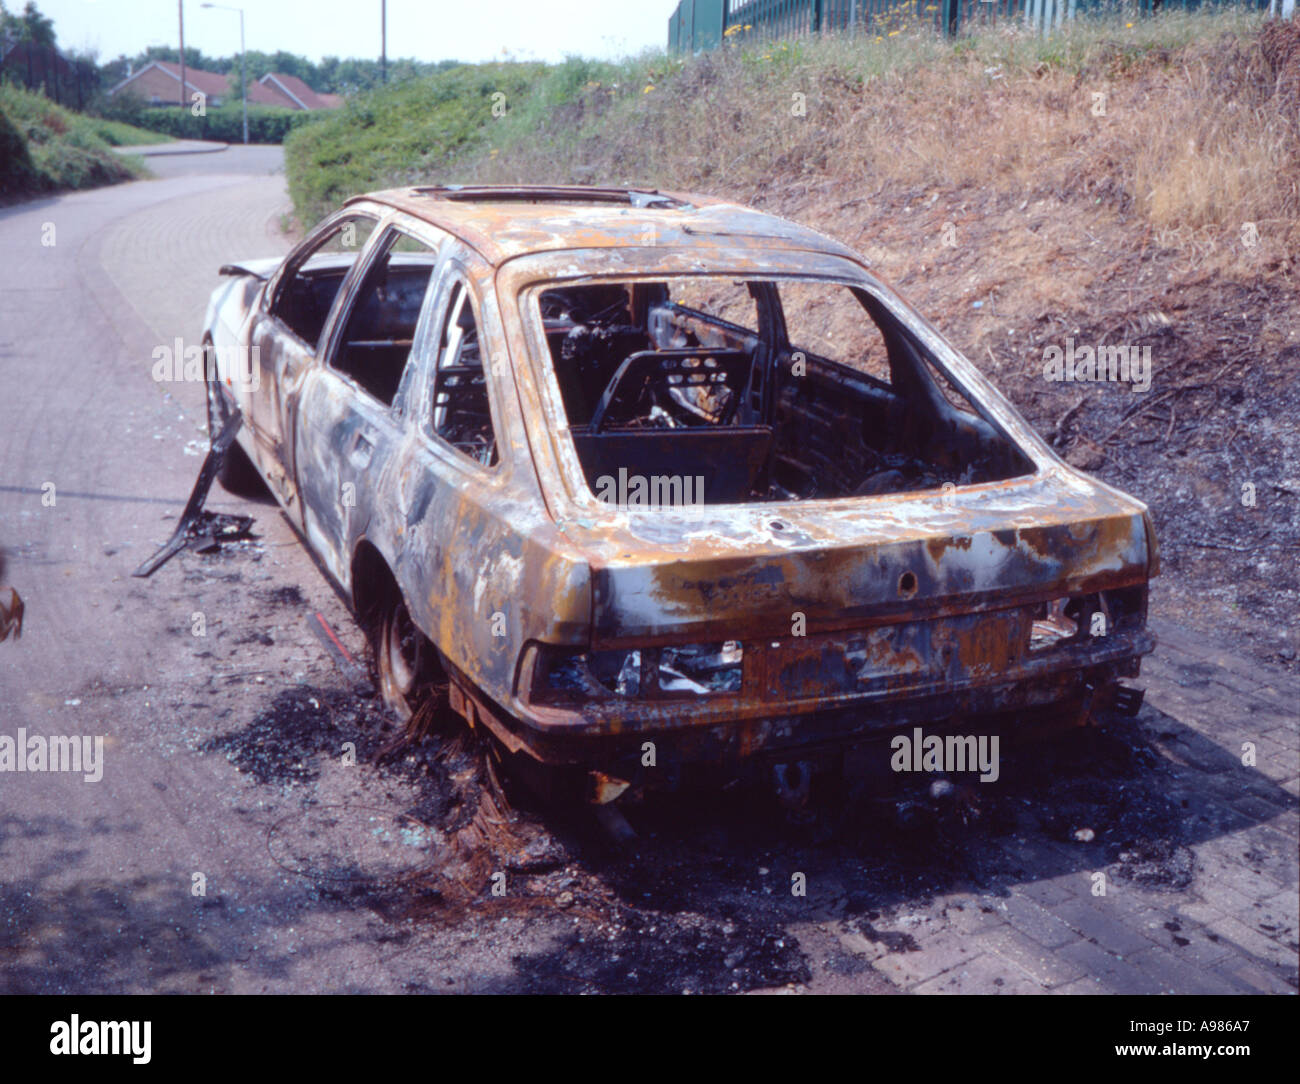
449	271
373	413
275	452
435	500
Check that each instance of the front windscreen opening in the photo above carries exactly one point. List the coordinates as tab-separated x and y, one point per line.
712	390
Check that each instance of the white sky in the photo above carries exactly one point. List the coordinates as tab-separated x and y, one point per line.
471	30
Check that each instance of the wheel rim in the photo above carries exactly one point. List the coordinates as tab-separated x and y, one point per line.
403	651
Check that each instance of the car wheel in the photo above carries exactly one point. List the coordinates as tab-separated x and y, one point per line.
237	474
403	658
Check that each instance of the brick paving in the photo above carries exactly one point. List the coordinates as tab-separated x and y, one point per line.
1231	929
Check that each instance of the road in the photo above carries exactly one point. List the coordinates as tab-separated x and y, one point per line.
99	877
235	843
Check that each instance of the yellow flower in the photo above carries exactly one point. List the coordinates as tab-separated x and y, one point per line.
1128	26
648	88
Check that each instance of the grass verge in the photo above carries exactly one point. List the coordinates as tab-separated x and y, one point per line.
45	148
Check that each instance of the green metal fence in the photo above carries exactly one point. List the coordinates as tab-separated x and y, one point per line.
704	24
696	25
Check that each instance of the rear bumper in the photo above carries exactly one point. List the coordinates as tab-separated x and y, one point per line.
728	729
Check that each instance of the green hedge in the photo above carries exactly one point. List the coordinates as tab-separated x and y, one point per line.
266	124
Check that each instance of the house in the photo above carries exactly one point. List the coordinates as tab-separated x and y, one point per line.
293	93
159	83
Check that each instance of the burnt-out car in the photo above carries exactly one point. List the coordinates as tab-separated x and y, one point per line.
655	481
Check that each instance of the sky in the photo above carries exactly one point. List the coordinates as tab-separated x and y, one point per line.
470	30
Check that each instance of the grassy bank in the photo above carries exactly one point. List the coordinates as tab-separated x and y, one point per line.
1175	119
421	129
46	148
117	133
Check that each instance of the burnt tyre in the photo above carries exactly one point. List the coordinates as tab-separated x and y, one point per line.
237	474
405	667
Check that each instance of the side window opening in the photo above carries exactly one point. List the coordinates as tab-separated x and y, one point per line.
827	322
307	293
376	341
461	413
740	391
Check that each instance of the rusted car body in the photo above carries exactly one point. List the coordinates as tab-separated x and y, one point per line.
867	546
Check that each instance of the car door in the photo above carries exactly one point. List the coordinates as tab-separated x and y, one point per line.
350	421
285	338
462	522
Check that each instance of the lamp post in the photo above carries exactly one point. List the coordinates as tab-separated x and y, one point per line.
243	81
180	14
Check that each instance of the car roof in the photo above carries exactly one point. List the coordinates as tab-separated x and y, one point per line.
504	221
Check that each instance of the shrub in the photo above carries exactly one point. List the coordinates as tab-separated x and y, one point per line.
397	133
44	147
225	124
17	174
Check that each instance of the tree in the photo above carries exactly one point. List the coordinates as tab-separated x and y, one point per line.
36	32
35	28
194	58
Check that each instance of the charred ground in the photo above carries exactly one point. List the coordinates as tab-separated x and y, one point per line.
702	901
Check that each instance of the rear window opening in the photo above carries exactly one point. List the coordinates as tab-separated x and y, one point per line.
713	390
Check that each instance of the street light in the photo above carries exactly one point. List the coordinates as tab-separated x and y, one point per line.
243	81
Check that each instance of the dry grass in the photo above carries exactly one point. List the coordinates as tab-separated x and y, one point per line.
1175	123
